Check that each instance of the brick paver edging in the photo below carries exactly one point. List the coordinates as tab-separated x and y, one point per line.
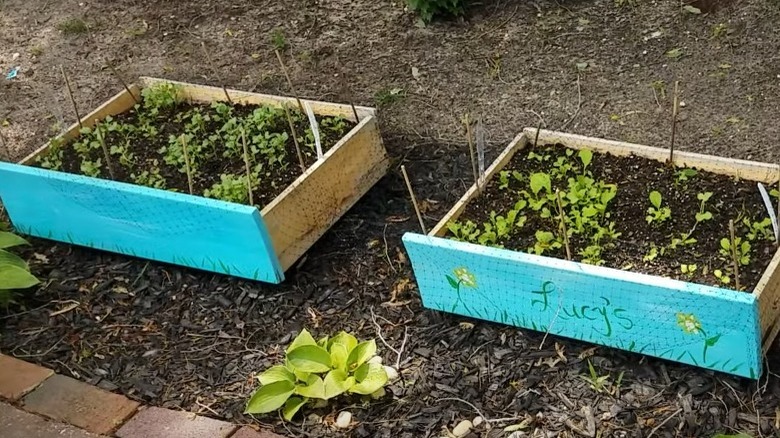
72	408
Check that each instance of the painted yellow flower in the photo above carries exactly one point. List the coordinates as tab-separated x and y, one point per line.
465	277
689	323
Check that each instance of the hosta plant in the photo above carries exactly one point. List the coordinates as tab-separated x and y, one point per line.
14	272
315	371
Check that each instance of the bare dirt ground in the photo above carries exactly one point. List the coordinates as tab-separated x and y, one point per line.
586	66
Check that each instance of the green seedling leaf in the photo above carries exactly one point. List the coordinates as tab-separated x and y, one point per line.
725	244
540	181
310	359
270	397
701	217
8	240
369	377
292	406
361	353
586	157
655	199
14	277
276	373
314	388
704	197
675	54
304	338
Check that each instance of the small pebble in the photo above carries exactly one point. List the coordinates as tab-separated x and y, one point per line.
391	372
462	429
344	419
477	421
376	359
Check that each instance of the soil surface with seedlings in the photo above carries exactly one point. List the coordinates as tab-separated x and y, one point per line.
185	339
685	236
146	146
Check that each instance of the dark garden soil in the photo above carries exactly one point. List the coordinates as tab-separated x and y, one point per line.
635	178
185	339
147	154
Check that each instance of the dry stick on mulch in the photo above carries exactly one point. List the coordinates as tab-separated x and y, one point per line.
398	352
289	82
563	224
70	95
295	138
414	199
467	122
248	167
186	161
227	96
579	106
734	259
103	146
675	109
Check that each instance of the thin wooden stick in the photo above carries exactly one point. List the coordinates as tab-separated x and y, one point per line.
122	81
467	122
289	82
70	94
227	96
563	224
414	199
538	130
102	141
354	111
248	168
675	109
734	259
187	161
295	138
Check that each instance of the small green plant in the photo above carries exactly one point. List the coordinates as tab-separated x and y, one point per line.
596	382
429	9
52	158
741	248
278	40
231	188
545	241
318	370
160	96
723	277
685	239
703	215
91	168
73	26
656	213
387	96
652	254
688	270
684	175
149	178
14	272
758	230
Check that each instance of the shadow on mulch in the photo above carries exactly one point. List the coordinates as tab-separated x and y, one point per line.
180	338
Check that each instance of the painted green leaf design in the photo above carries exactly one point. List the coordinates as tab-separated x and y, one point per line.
452	282
270	397
292	406
712	341
276	373
310	359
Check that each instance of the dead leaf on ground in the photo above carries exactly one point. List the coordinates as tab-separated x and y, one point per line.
588	352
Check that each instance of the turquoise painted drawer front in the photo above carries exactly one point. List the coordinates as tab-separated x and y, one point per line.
153	224
695	324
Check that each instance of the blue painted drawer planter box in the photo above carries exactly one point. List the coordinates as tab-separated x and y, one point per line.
189	230
700	325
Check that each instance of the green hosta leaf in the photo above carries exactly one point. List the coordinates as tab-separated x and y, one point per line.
304	338
7	240
270	397
585	156
540	181
337	382
310	359
323	342
314	388
655	199
361	353
370	378
292	406
276	373
700	217
7	258
14	277
340	347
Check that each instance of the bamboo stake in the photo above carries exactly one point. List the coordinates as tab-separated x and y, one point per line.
227	96
734	259
414	199
563	224
538	130
470	140
187	162
354	111
102	141
122	81
675	109
295	138
70	94
289	82
248	167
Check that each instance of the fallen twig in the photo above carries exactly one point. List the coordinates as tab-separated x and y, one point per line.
655	429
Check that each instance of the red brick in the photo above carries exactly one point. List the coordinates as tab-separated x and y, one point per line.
248	432
15	423
77	403
18	377
164	423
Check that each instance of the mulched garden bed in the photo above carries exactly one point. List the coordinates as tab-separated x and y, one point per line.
185	339
145	147
642	246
